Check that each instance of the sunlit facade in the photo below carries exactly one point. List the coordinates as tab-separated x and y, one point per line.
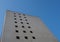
19	27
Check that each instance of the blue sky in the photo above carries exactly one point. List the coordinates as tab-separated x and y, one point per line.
47	10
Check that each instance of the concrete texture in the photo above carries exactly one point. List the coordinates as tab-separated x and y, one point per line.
31	30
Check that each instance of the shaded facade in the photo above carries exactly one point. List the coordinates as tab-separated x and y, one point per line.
20	27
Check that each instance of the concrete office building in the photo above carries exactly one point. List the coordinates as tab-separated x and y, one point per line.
19	27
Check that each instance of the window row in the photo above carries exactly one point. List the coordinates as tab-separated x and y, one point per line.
26	37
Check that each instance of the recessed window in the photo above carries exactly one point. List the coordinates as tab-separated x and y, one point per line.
29	27
20	19
25	19
17	37
23	26
33	37
26	37
27	23
21	22
16	31
16	26
31	32
24	31
15	21
14	18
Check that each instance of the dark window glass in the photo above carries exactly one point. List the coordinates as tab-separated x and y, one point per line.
20	19
33	37
26	37
25	19
15	21
29	27
27	23
31	32
16	26
23	26
17	37
24	31
16	31
14	18
21	22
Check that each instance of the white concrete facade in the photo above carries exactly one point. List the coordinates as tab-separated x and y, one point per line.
20	27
